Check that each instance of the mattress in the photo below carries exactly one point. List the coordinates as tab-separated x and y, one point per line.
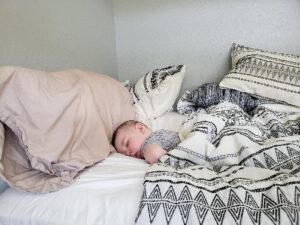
108	193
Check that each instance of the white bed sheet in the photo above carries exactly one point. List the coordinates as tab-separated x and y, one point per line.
108	193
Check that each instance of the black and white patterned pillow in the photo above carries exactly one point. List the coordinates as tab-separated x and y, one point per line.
156	92
267	74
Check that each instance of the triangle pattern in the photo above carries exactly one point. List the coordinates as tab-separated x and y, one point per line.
153	206
297	196
168	162
218	209
142	205
235	207
291	212
201	207
294	154
269	161
253	212
185	205
170	203
283	159
270	209
258	164
177	166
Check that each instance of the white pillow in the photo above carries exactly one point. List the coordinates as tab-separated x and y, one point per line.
169	121
156	92
268	74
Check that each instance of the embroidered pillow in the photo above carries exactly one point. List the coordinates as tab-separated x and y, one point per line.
268	74
156	92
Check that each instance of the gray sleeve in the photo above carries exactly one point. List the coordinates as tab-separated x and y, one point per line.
165	138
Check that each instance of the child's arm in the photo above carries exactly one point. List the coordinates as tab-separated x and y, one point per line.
153	152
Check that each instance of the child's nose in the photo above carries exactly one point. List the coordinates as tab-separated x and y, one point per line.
129	153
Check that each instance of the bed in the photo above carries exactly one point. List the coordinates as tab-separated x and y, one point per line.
238	162
111	186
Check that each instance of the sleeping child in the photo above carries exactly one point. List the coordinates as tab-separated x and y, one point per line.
135	139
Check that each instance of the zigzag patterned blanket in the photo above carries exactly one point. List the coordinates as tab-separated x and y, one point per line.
232	168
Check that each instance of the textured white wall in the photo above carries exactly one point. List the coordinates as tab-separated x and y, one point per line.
56	35
199	33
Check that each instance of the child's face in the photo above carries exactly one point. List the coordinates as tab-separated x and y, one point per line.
129	140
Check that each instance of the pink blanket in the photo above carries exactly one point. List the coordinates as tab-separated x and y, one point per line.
56	125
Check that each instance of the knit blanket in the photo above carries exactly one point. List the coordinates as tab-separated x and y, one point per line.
211	94
231	168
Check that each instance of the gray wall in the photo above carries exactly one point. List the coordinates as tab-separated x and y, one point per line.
55	35
199	33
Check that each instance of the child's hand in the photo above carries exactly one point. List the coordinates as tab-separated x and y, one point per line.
153	152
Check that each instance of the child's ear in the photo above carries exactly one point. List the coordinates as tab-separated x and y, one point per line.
140	127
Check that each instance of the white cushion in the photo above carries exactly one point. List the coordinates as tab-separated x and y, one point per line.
169	121
156	92
268	74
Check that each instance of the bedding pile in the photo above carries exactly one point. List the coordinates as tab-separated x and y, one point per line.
54	125
239	160
231	168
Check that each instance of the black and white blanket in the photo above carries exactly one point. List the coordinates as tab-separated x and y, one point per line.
231	168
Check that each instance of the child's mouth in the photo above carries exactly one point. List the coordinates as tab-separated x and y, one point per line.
137	155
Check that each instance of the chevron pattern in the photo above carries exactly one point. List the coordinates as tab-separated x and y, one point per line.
287	160
268	74
261	66
220	206
233	168
152	80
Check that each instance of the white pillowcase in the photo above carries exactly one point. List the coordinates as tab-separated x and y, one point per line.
169	121
268	74
156	92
